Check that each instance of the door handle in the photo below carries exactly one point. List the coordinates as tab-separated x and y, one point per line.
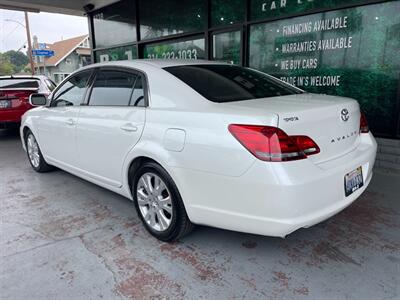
129	127
70	122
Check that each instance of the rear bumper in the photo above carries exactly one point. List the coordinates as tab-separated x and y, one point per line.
276	199
11	115
9	124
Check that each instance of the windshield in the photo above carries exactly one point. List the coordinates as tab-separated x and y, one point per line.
226	83
18	83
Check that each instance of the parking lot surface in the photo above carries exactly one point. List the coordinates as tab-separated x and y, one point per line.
64	238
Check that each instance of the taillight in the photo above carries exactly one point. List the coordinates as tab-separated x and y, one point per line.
306	144
364	128
273	144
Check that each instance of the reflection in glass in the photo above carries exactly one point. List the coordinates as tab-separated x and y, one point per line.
225	83
71	92
226	12
112	88
137	98
115	24
162	18
226	47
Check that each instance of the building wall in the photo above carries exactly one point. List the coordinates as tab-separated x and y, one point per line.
64	68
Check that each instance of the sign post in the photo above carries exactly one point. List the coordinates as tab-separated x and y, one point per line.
43	52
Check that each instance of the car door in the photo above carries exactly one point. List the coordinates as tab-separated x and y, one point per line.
58	122
111	123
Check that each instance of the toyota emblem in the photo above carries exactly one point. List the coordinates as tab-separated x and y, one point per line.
344	114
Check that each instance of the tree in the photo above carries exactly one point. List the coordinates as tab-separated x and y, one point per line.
16	58
6	68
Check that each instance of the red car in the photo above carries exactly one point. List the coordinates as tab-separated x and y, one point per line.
14	96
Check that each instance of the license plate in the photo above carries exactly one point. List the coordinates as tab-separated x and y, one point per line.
5	103
353	181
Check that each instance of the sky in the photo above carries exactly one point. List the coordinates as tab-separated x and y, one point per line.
47	27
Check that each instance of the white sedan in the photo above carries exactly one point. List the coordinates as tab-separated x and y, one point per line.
198	142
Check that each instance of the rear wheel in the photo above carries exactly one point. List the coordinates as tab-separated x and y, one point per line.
159	203
35	155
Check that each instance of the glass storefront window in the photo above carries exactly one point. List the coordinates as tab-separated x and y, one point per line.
115	24
349	52
118	53
226	46
190	49
162	18
227	12
266	9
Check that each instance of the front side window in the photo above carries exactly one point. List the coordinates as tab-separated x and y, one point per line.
113	88
72	92
226	83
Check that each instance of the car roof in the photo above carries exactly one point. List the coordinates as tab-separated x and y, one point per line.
163	63
158	63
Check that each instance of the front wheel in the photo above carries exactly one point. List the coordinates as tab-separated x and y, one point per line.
35	155
159	203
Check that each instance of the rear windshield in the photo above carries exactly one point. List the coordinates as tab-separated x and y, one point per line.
50	84
226	83
18	83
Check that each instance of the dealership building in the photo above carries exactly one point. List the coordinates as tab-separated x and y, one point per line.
347	48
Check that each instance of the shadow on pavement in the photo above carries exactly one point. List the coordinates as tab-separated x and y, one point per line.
9	134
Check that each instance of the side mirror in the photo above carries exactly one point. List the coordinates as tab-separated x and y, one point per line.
37	99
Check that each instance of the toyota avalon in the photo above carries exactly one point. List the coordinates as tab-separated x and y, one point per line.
198	142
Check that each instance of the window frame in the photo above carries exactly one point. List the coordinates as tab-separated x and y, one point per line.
90	79
232	28
123	69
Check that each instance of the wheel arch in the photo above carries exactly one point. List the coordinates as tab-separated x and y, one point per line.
135	164
137	161
23	132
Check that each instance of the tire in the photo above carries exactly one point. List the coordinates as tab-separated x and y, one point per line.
38	163
158	206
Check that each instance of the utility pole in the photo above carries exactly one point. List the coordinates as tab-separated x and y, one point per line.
28	36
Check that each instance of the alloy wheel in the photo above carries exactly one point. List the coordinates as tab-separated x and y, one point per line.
154	200
33	150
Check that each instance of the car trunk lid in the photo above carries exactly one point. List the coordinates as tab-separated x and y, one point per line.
15	91
332	122
14	99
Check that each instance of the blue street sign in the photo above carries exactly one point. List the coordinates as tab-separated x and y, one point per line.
42	46
42	52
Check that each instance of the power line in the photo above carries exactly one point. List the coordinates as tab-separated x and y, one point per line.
15	28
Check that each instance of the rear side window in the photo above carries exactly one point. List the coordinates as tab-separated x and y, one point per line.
112	88
226	83
17	83
138	92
